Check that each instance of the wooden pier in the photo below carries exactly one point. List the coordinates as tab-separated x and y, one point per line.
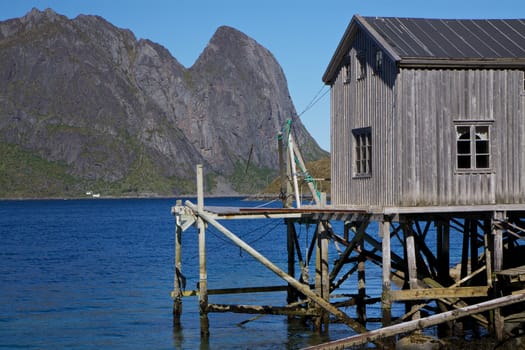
488	279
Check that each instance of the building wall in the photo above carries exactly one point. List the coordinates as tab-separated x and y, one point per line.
413	115
359	103
430	103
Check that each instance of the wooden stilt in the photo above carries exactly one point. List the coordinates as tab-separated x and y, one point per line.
386	302
322	281
361	285
411	260
473	244
498	266
290	245
443	251
203	276
177	278
464	250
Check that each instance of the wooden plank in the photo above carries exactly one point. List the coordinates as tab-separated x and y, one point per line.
261	309
241	290
410	326
438	293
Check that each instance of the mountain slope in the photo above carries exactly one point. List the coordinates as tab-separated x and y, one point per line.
122	116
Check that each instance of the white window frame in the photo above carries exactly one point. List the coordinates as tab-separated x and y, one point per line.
362	152
473	149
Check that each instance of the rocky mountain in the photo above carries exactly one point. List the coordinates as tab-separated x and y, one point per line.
85	105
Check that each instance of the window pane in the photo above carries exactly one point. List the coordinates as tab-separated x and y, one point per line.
463	147
482	133
482	147
464	162
463	132
482	161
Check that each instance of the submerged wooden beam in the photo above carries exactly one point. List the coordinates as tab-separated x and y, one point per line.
438	293
410	326
190	293
261	309
275	269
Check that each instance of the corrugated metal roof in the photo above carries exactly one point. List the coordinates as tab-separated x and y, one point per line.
452	43
452	38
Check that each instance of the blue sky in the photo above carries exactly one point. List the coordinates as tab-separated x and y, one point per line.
302	34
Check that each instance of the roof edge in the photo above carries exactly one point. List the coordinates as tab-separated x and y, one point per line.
357	22
418	62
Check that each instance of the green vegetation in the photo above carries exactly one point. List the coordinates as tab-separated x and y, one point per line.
25	175
250	179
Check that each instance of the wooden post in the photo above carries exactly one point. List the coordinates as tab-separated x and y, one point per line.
361	284
322	280
473	245
282	173
487	240
411	260
443	268
290	245
464	250
177	297
203	276
498	266
294	171
386	301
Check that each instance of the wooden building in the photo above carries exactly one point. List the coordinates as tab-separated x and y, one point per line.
428	145
428	112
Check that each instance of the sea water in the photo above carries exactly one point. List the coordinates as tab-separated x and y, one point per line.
97	273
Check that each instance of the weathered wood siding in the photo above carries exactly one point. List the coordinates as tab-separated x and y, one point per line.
360	103
412	115
429	102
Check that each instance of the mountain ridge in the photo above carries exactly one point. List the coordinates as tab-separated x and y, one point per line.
122	116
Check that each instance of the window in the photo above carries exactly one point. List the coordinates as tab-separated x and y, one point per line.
379	62
473	147
347	70
362	152
361	65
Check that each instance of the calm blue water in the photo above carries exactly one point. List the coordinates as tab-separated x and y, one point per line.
91	274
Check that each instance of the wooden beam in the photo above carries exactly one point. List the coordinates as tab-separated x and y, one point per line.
177	276
438	293
386	301
203	275
242	290
263	310
410	326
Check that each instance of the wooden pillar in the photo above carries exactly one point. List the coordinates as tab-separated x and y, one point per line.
488	242
499	216
361	284
322	280
177	296
203	276
443	251
386	301
290	245
411	260
464	250
473	244
443	268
